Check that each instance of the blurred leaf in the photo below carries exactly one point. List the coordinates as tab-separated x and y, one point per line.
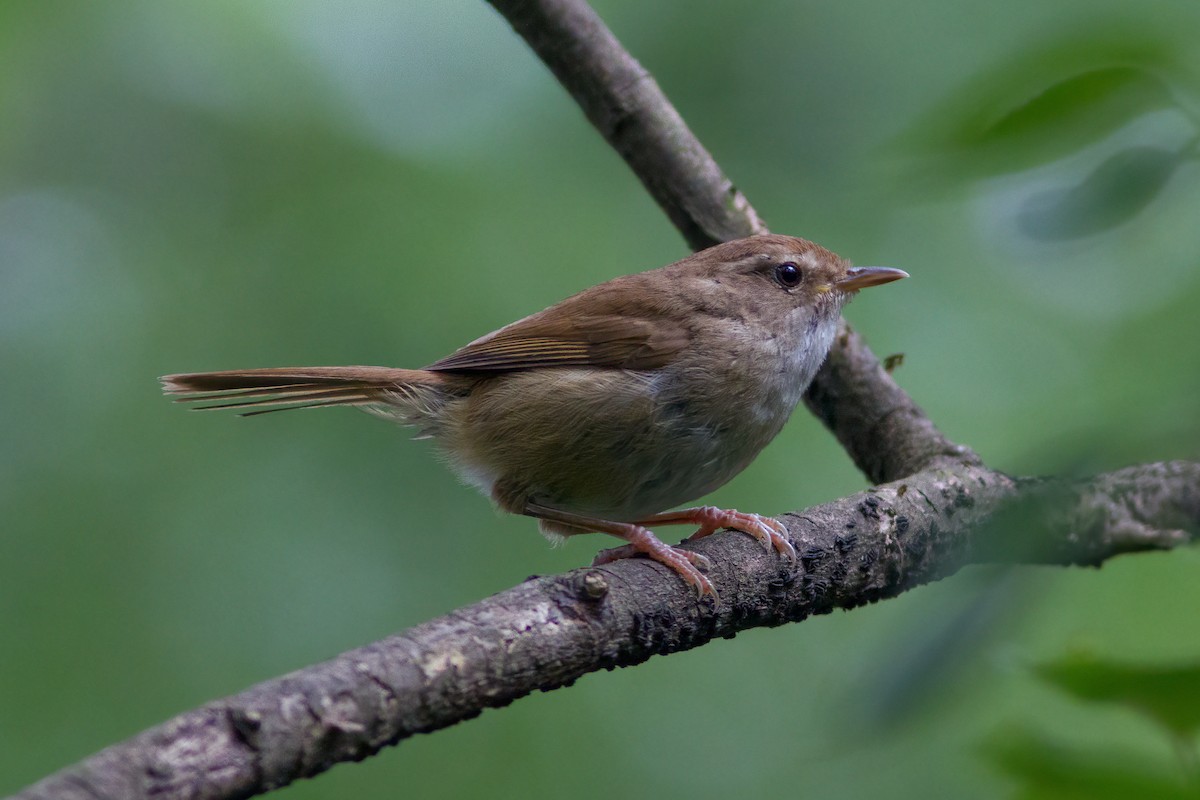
1116	191
1042	105
1168	695
1071	113
1048	770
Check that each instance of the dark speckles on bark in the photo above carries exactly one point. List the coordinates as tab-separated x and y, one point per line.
812	556
956	498
867	560
813	587
782	582
869	507
839	571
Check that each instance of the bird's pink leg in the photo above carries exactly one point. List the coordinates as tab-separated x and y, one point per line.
641	541
770	532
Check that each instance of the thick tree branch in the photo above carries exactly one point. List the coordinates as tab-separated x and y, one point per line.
882	429
950	510
549	631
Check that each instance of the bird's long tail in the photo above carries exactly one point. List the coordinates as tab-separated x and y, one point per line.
410	395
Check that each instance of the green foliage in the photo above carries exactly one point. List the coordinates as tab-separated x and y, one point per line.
1050	103
1073	112
1048	770
1021	115
1169	696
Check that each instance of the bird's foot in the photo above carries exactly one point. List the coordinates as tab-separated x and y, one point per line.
643	542
771	532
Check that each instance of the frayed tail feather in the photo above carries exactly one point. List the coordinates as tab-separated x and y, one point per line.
409	394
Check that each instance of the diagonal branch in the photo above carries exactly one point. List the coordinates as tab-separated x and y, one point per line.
950	510
548	632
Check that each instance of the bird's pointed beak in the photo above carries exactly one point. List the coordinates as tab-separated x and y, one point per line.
862	277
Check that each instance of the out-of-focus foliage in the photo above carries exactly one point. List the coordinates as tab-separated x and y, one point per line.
1074	92
1049	102
1169	696
193	186
1048	770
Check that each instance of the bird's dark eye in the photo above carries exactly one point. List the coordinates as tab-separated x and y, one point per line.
788	275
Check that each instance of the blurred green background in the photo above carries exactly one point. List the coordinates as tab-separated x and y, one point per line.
217	185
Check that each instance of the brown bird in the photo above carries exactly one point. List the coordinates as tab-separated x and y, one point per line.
603	411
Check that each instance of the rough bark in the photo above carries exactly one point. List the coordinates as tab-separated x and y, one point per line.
549	631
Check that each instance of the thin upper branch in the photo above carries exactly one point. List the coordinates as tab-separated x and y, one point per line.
882	429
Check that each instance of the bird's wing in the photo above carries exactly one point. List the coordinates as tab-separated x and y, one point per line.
596	328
